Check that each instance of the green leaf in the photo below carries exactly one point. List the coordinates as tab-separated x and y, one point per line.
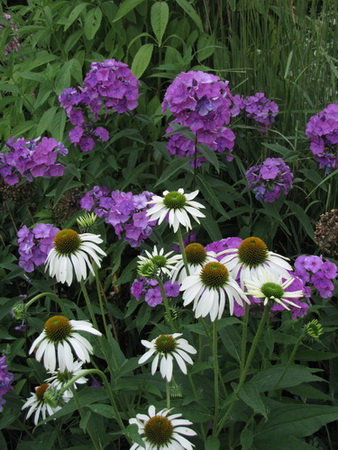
74	15
142	59
184	4
58	125
210	196
282	443
132	432
125	8
46	120
159	16
209	154
103	410
267	379
92	23
212	443
205	46
175	165
250	395
302	217
296	420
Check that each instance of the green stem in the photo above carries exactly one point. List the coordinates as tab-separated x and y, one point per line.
98	287
168	394
216	371
45	294
166	304
106	385
244	336
245	370
184	256
289	361
88	303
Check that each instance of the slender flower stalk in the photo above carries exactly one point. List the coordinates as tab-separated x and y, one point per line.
216	373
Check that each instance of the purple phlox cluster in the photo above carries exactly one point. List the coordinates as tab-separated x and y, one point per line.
260	109
35	244
14	44
31	159
203	103
108	86
125	211
223	244
150	290
322	129
316	272
6	379
270	179
192	237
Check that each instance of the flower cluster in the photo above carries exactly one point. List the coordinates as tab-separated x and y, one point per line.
31	159
6	379
270	179
223	244
260	109
316	272
109	85
35	244
151	291
322	129
125	211
14	44
203	103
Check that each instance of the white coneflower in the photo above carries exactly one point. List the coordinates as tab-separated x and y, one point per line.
167	348
163	263
58	339
71	253
270	287
197	256
38	403
208	289
161	431
252	258
177	206
63	375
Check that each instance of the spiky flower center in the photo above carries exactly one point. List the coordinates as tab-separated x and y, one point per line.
159	260
147	269
165	343
272	290
67	242
196	253
58	328
253	252
214	275
39	391
158	431
314	329
174	200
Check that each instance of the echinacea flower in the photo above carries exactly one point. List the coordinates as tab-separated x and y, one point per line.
161	431
270	288
167	348
208	289
163	263
252	258
38	403
176	206
71	252
57	340
197	256
64	374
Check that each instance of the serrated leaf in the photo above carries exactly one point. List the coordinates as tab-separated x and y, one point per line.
188	8
92	23
250	395
142	59
103	410
125	8
159	16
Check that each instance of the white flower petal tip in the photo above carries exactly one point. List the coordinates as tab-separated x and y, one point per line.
72	255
